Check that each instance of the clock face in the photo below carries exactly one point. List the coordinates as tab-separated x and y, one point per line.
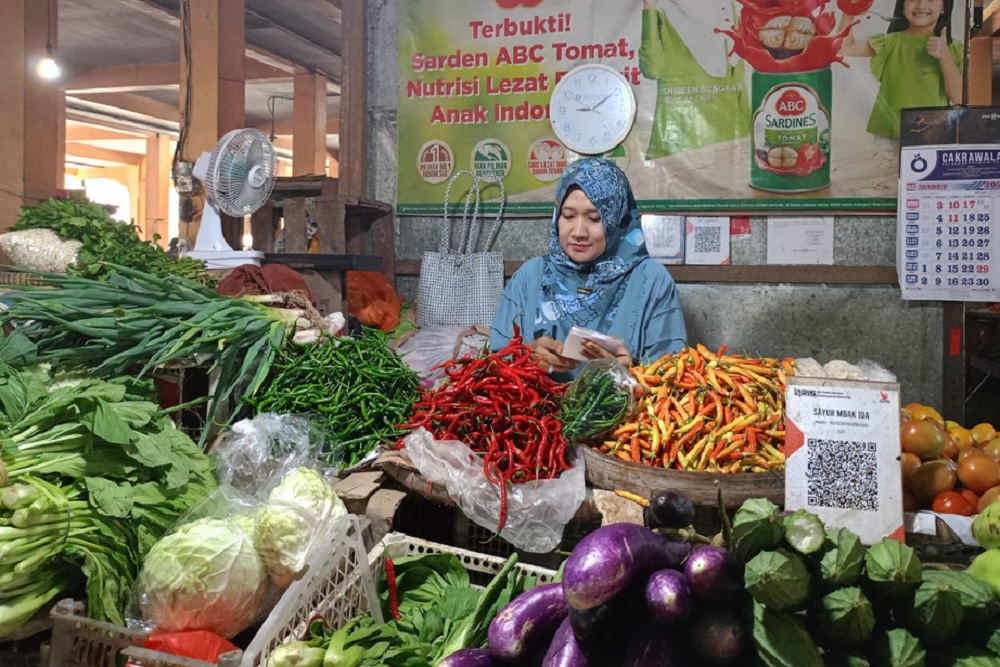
592	109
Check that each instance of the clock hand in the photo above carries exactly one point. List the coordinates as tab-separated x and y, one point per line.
606	97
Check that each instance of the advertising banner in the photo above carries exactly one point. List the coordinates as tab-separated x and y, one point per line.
743	105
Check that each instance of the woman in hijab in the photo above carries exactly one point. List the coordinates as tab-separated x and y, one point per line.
598	275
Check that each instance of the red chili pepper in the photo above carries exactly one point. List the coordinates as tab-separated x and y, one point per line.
390	576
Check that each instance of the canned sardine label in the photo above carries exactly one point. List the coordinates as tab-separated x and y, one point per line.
791	139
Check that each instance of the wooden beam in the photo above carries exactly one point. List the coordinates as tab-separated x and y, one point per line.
285	127
309	125
161	76
76	132
156	187
85	152
354	99
133	103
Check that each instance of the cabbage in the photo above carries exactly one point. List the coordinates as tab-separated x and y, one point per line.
300	507
206	575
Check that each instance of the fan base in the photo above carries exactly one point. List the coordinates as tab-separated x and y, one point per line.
227	259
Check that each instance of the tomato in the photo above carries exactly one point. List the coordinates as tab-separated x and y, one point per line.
925	412
969	451
993	448
922	438
979	472
809	155
950	451
932	478
962	437
983	433
910	502
854	7
971	496
949	502
988	498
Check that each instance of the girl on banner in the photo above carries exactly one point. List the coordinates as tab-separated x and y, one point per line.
598	275
916	62
701	95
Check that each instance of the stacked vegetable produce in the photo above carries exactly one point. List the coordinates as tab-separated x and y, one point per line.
105	240
704	410
815	589
503	406
947	468
430	610
92	474
355	390
137	321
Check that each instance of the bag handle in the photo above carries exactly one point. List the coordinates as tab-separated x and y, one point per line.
473	192
466	244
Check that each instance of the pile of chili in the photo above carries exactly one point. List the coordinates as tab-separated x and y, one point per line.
504	406
705	410
354	390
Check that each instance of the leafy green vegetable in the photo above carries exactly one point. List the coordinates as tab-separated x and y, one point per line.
843	557
845	616
757	526
778	579
898	648
82	501
893	568
137	320
105	240
782	640
937	612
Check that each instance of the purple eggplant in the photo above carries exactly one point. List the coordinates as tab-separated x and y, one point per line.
468	657
653	646
564	651
606	560
668	596
527	623
668	509
714	574
718	636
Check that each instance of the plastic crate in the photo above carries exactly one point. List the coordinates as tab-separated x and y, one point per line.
337	584
482	567
78	641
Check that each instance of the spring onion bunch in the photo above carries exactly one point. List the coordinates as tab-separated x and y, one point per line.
135	320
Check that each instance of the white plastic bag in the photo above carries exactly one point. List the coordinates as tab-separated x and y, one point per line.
432	346
537	512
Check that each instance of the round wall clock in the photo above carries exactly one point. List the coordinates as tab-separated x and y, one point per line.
592	109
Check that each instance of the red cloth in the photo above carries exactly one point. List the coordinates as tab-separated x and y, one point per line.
195	644
267	279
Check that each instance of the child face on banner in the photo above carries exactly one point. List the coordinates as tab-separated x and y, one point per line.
581	232
924	16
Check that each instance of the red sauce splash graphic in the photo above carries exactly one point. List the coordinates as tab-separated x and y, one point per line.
810	159
821	51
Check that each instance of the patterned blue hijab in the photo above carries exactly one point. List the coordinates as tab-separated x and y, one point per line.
588	295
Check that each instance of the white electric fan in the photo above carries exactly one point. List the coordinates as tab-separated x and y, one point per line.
238	176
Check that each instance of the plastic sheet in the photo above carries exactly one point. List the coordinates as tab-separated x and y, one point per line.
431	346
599	399
537	512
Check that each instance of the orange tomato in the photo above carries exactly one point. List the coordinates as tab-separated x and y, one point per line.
908	463
979	472
969	451
932	478
962	437
983	433
925	412
949	451
971	496
988	498
993	448
921	437
950	502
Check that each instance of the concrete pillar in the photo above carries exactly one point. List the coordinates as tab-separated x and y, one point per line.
29	115
214	77
309	125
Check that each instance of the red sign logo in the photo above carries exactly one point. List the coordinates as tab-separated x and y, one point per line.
511	4
791	103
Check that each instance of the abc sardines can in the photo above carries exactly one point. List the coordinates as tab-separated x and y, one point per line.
791	130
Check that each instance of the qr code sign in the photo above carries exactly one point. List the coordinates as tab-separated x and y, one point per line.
842	474
707	239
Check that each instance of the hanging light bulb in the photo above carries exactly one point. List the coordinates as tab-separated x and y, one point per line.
48	68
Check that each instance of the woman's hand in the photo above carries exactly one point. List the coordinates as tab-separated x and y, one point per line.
548	351
592	350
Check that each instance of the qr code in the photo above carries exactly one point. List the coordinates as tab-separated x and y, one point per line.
707	239
842	474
